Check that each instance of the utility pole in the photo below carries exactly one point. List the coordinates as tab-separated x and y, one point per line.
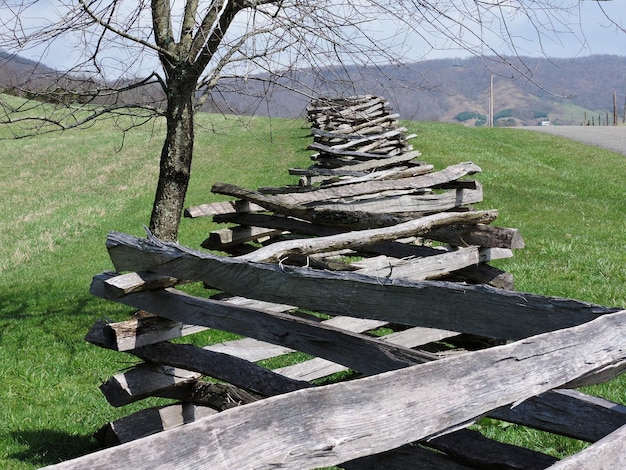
491	101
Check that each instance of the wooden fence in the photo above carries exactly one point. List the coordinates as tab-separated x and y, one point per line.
390	332
361	127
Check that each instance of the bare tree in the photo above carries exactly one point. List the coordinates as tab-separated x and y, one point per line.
165	57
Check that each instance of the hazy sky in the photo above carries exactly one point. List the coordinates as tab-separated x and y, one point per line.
598	34
588	32
594	34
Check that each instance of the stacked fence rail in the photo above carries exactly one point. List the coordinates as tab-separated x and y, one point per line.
373	330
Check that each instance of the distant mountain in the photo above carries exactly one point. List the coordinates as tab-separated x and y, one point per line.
16	70
26	78
526	91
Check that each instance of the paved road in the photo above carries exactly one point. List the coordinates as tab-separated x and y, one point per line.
608	137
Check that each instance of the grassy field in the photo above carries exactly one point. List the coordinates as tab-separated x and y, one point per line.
61	193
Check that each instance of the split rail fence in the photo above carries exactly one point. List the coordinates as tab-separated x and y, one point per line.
371	280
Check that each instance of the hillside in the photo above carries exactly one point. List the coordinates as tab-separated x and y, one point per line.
526	90
15	71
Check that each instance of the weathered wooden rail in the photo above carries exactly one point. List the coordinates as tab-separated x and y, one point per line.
377	269
405	391
347	131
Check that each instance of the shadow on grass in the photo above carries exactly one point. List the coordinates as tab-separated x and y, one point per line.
48	447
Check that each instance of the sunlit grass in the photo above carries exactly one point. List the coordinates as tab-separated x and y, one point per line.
567	199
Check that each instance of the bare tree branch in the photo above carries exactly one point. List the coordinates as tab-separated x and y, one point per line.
192	50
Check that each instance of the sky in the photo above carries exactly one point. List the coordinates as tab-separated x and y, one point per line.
594	35
590	32
598	34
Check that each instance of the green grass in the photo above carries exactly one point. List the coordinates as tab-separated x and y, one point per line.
566	198
61	193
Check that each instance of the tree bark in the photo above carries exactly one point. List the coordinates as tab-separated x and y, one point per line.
176	155
183	63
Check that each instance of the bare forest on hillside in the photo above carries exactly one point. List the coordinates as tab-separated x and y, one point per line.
449	90
440	90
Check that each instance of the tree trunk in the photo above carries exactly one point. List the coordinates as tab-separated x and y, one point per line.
175	166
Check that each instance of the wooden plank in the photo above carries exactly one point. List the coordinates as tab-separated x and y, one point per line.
255	350
250	349
148	380
491	254
451	173
131	334
568	413
150	421
420	268
223	238
349	153
254	303
486	274
317	368
436	262
409	457
135	282
564	412
356	325
599	376
325	426
481	235
396	172
351	177
475	449
479	310
279	222
333	218
239	372
337	162
487	235
323	172
606	454
142	382
387	162
312	369
317	132
418	336
144	330
219	396
414	204
359	352
227	207
360	238
350	140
